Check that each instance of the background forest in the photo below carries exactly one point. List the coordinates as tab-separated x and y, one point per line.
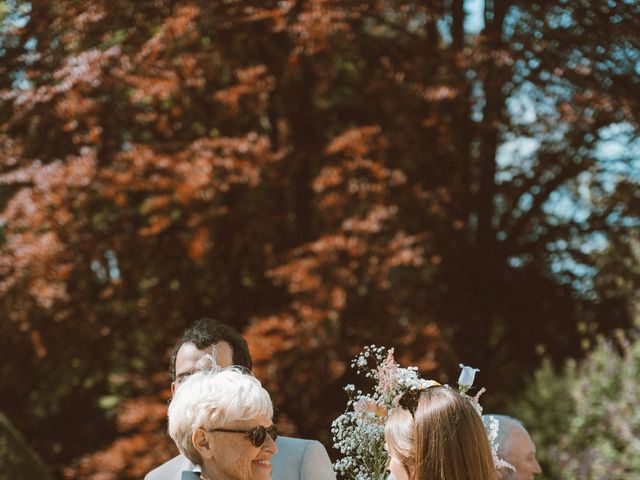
456	179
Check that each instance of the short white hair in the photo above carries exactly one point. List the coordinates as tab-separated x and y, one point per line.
212	400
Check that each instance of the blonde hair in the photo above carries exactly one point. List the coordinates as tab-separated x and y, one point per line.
398	434
444	439
212	400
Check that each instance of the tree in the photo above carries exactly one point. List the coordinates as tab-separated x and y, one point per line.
584	419
111	175
320	174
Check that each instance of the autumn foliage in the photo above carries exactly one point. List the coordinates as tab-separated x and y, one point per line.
320	174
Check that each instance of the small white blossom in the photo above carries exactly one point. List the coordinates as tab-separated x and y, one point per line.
467	376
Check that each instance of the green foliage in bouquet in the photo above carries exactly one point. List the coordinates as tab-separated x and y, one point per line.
585	420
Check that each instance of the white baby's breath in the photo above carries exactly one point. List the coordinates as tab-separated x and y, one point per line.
359	432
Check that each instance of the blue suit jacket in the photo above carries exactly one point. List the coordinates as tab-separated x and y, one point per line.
297	459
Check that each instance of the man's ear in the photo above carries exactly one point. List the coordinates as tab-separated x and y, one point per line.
202	443
173	388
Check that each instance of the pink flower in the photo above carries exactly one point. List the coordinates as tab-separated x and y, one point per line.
365	405
387	374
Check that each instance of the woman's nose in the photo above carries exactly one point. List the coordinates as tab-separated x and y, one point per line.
270	445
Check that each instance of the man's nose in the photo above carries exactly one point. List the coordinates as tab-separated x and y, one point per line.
537	470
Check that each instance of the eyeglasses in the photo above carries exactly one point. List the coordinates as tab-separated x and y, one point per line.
257	435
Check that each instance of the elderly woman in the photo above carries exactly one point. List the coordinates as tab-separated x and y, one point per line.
222	422
436	433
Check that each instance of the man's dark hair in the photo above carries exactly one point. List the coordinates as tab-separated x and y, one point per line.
208	331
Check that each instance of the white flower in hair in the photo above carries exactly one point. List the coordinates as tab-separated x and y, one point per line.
467	376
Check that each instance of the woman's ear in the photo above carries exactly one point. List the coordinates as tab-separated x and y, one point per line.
202	443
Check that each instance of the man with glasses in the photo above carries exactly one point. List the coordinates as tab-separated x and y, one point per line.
295	459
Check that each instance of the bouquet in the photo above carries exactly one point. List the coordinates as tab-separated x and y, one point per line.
359	432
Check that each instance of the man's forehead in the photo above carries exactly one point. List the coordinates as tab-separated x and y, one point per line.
189	355
521	439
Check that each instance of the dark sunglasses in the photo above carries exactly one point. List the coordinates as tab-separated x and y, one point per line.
257	435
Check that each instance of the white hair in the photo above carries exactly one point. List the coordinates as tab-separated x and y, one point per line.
212	400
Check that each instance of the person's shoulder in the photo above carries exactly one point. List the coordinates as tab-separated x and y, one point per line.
310	455
300	446
296	442
170	469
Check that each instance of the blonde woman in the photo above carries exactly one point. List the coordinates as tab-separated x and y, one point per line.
436	434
